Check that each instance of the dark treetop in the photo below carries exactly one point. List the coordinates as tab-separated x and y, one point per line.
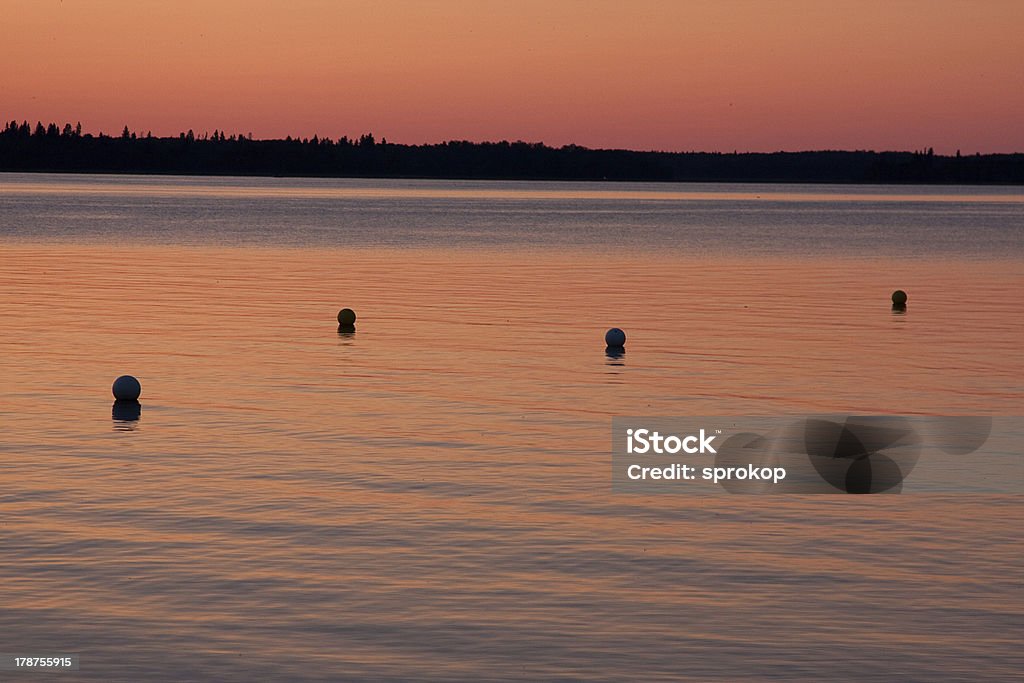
67	149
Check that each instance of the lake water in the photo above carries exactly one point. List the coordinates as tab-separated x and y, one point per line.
430	497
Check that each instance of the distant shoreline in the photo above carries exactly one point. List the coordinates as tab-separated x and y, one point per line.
54	150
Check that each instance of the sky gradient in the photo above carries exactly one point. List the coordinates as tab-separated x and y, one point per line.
673	75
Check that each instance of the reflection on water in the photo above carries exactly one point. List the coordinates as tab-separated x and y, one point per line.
690	220
277	189
427	500
125	415
615	355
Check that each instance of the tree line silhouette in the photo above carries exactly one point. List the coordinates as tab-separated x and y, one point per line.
68	149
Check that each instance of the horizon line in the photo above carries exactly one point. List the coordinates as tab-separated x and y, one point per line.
222	135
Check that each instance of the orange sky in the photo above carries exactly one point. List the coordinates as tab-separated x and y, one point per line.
672	74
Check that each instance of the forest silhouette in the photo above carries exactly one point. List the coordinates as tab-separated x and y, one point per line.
54	148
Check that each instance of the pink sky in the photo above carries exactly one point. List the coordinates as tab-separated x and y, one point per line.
673	75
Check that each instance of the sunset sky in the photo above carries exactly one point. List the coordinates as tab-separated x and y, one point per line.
673	75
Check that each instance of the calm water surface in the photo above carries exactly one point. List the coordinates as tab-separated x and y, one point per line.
430	496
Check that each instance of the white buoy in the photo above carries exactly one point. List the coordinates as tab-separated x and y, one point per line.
126	388
615	337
